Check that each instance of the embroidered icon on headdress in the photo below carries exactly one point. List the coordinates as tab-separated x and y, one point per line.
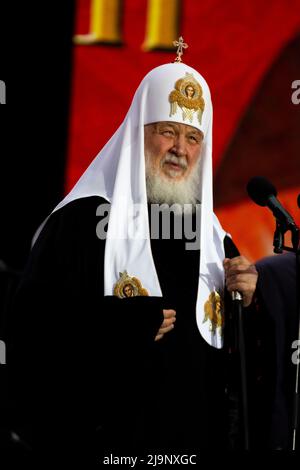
128	286
188	96
214	312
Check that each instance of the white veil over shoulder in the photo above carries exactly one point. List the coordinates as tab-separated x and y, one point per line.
117	174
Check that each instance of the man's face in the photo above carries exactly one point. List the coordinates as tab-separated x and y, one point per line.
173	149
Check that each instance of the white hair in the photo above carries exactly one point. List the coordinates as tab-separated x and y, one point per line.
163	190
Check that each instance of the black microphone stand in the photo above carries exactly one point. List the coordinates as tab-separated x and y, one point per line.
279	247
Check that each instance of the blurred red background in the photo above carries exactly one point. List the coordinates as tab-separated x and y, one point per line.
249	53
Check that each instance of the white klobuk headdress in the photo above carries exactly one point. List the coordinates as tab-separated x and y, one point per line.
117	174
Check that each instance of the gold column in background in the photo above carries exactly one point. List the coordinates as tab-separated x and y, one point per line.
162	24
104	23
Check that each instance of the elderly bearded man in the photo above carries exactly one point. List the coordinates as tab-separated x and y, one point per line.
153	363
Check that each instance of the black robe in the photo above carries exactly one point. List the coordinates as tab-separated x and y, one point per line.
83	361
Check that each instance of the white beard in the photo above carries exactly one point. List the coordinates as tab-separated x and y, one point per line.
163	190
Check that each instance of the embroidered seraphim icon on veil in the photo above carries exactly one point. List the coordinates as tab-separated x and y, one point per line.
187	94
214	312
128	286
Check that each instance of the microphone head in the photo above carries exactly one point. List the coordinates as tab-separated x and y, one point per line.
260	189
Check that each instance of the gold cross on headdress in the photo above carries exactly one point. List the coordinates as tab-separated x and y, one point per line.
180	46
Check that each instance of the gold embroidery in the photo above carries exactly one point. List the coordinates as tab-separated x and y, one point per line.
214	312
128	286
188	96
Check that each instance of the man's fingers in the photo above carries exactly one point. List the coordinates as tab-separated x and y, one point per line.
237	263
165	330
246	287
237	280
238	269
241	277
158	337
166	326
169	313
241	286
243	269
235	260
168	322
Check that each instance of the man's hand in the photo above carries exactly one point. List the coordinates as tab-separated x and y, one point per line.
242	276
167	324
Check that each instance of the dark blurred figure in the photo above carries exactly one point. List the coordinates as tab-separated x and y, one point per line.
14	431
278	300
271	327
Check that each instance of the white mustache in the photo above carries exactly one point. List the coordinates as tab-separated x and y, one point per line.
180	161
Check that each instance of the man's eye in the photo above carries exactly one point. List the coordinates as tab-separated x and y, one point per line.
168	133
192	138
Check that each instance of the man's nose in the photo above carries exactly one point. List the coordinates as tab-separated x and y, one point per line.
179	147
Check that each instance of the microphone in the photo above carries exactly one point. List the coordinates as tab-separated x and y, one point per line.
263	193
